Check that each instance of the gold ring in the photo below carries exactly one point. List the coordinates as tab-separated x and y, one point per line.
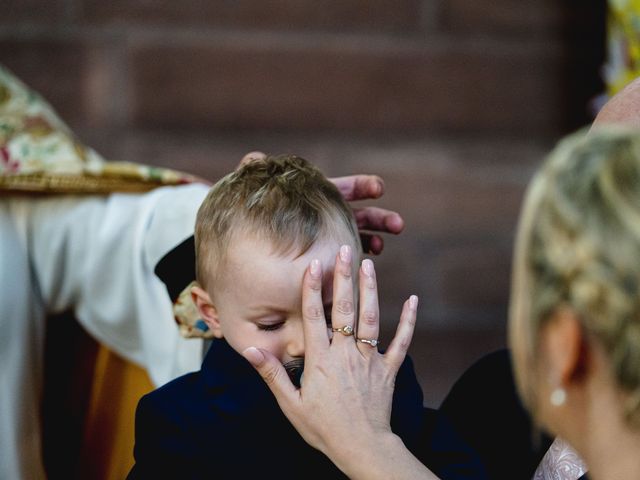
347	330
369	341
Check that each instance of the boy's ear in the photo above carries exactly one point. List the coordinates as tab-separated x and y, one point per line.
207	310
565	346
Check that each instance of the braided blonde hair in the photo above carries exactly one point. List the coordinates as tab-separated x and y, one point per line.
578	246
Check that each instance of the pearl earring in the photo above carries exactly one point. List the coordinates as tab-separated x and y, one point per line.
558	397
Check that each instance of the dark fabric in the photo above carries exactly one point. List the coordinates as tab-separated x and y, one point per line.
484	408
223	422
177	268
441	449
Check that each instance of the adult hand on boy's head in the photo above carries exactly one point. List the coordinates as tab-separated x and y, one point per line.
369	219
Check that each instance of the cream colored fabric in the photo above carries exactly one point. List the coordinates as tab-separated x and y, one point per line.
92	252
95	255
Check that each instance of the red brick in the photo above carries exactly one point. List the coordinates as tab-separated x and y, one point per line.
520	17
105	85
362	86
449	190
288	14
466	286
473	274
501	15
32	11
453	207
54	69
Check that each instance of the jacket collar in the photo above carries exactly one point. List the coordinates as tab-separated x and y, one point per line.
222	365
232	383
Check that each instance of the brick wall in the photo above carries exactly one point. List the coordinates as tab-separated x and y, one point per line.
453	102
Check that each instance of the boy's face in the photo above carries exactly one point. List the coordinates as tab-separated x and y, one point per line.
258	301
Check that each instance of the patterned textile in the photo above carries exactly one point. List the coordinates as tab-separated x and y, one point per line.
623	44
39	154
187	316
560	462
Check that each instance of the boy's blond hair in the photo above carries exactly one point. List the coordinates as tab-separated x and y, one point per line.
578	246
284	200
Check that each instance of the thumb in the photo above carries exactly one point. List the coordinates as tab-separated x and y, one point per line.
272	372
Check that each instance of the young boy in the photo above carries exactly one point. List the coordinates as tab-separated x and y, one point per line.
256	233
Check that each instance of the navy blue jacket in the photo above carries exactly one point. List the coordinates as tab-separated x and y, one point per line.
223	422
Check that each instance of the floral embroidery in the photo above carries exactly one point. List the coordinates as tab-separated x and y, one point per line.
187	316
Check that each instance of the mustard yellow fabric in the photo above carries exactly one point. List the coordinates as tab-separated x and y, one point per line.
623	63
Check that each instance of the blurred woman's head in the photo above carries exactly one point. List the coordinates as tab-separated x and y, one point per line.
576	275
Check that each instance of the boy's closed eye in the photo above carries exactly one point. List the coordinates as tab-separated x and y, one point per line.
270	327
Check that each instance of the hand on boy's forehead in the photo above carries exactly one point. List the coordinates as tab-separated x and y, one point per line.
260	277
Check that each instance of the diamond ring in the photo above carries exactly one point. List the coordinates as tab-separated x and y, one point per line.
369	341
347	330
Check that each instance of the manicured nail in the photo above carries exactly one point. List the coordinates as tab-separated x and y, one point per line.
413	302
314	269
367	267
345	253
379	189
254	356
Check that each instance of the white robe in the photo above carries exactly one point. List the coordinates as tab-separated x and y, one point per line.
94	255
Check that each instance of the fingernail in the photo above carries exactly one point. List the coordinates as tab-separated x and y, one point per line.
254	356
345	253
413	302
367	267
314	268
379	188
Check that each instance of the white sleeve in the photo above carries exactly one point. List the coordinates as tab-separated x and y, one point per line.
99	256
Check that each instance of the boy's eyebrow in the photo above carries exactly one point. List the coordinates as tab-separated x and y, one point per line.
266	308
262	309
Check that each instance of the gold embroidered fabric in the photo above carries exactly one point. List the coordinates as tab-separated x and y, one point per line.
187	316
39	154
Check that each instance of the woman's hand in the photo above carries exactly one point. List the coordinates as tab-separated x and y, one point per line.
369	219
344	405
